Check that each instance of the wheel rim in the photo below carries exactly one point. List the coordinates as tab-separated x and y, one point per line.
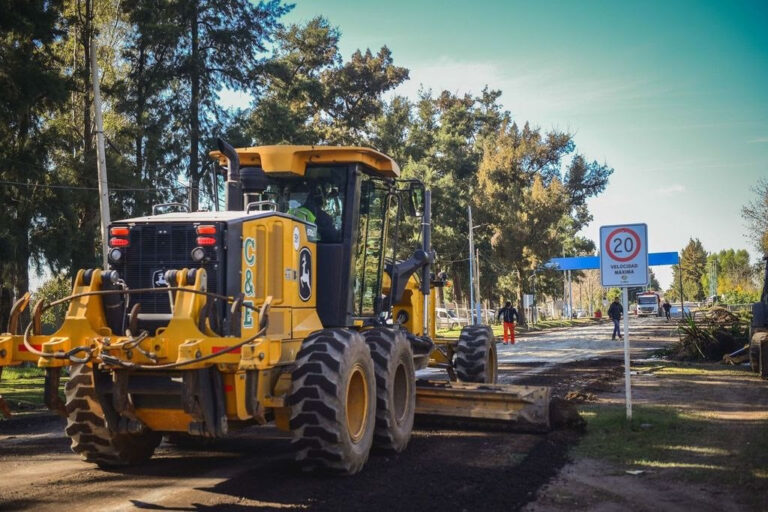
401	394
357	403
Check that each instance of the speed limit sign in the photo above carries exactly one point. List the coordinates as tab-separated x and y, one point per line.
624	255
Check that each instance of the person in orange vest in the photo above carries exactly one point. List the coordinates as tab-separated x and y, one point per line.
510	316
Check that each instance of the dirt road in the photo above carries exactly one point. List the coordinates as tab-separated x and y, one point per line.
440	470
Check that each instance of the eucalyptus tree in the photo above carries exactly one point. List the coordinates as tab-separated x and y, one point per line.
534	198
312	96
222	43
34	89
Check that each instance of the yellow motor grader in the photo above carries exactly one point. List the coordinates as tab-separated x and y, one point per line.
290	307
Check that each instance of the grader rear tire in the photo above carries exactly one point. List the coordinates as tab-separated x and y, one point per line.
476	359
88	430
395	388
332	400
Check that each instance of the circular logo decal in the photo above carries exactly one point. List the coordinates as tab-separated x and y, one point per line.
305	274
296	238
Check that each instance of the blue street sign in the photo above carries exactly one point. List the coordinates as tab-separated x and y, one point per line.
593	262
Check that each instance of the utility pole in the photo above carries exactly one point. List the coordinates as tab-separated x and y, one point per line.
101	158
478	303
535	311
471	266
682	298
713	278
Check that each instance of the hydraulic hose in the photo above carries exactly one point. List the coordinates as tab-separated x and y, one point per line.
125	364
134	342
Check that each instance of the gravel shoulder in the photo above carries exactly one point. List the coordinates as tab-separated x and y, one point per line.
699	441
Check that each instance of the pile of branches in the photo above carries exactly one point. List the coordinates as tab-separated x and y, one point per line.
718	333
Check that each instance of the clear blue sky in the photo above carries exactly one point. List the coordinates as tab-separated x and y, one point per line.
673	95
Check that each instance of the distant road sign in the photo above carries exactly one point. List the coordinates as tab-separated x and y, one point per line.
624	255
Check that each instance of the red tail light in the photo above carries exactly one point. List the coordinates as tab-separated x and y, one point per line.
206	230
119	231
118	242
206	240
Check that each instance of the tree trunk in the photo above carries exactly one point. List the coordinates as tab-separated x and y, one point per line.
520	292
140	101
6	301
21	274
458	295
88	222
194	131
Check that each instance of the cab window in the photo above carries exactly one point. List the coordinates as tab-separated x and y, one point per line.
317	197
371	234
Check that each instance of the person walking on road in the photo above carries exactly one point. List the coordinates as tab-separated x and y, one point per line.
510	316
667	306
614	313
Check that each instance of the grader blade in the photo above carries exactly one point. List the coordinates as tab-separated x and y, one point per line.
484	406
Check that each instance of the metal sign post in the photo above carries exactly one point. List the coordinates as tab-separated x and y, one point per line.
624	263
627	373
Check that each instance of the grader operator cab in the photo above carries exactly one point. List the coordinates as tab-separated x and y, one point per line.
289	307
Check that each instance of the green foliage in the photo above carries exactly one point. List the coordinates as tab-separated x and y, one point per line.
33	88
737	278
702	339
51	290
163	64
312	97
653	281
693	260
737	296
534	203
755	213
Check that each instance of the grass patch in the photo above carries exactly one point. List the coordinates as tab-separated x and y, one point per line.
15	373
689	446
22	387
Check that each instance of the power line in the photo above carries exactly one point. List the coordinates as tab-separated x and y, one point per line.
74	187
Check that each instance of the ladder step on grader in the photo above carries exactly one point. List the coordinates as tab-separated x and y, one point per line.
292	307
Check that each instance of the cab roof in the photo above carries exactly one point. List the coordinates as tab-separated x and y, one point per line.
294	159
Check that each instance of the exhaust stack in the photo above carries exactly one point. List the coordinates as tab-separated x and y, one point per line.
234	190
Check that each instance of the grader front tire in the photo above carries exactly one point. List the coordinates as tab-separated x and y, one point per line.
88	430
332	401
476	359
395	388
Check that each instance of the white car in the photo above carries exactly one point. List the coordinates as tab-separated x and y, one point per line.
446	319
